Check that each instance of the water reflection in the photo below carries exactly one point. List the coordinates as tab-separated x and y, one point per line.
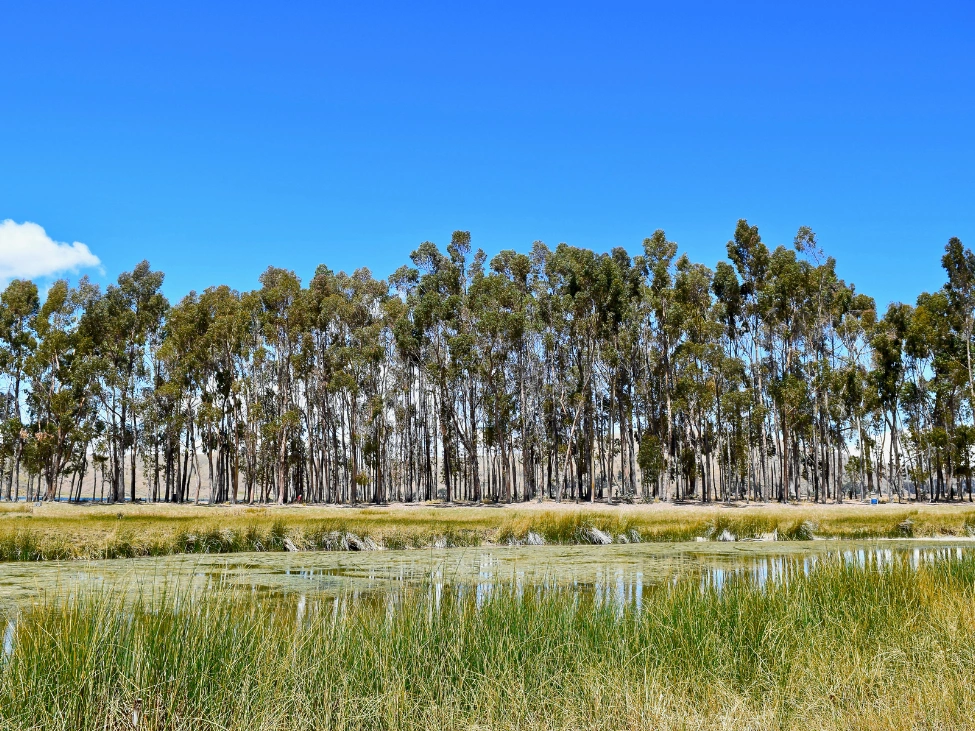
8	638
618	573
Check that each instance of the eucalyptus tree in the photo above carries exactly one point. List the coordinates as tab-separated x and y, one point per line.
736	397
280	329
920	346
750	257
435	302
549	326
255	406
959	264
498	315
463	417
360	354
888	379
590	295
120	324
622	355
660	333
61	395
697	358
515	323
409	346
785	299
948	384
853	324
820	354
223	358
19	305
320	415
564	372
176	396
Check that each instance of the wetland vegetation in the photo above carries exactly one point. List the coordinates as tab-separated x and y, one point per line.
624	570
840	647
46	532
785	634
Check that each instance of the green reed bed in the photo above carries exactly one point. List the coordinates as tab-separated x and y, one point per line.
782	525
93	533
127	540
843	648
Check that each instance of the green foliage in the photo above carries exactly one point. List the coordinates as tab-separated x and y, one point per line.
563	373
651	458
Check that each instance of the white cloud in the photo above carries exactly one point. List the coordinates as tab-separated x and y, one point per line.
27	252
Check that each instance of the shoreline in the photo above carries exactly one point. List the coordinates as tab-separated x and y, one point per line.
69	532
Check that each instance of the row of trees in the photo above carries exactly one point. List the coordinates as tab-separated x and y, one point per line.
560	373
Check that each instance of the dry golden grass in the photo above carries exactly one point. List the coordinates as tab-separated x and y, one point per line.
46	531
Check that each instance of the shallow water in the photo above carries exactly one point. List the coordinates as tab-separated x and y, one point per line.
619	572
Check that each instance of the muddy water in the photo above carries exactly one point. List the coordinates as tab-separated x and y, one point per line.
616	571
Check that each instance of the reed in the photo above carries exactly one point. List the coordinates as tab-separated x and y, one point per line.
29	533
842	648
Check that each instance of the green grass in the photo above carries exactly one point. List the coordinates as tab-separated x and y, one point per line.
95	532
843	648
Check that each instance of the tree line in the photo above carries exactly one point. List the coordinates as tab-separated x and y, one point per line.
562	374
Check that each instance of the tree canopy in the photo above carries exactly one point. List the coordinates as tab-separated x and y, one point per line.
563	374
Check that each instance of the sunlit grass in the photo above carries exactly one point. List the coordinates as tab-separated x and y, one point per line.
92	532
844	648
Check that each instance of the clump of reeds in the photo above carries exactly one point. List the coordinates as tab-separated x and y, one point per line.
842	648
759	527
568	528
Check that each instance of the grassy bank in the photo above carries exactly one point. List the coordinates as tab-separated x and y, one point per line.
32	533
840	649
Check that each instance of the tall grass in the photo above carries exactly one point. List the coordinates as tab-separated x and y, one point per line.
137	539
843	648
72	532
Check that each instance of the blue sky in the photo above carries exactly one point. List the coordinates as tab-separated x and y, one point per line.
217	140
